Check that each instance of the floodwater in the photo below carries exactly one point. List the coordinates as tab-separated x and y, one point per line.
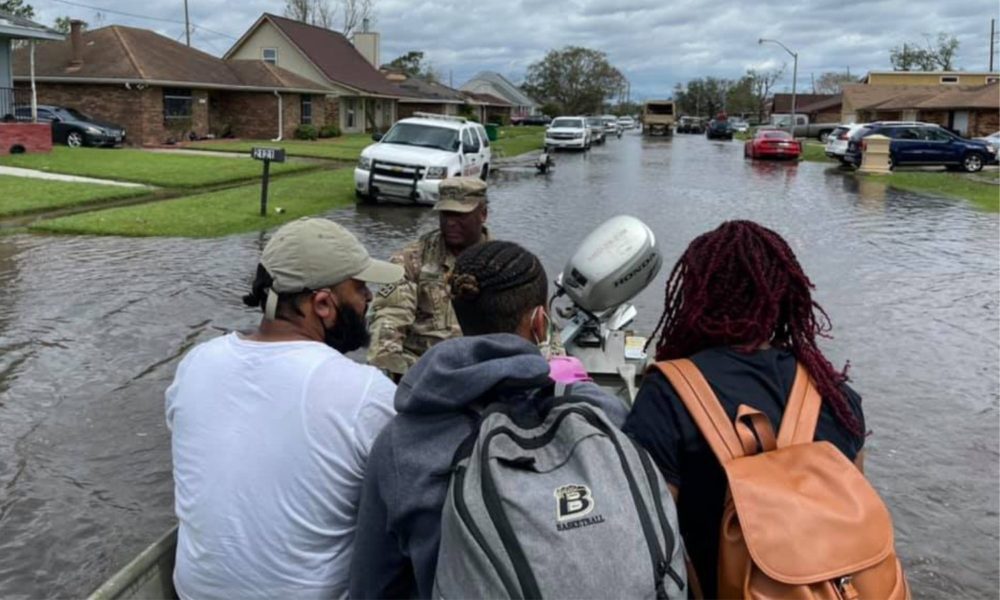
91	330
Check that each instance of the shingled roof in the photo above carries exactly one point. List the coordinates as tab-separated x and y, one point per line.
126	54
332	53
904	97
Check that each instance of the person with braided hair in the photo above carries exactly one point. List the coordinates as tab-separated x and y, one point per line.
409	317
499	294
739	305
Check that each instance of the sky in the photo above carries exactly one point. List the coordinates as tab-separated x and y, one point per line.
655	43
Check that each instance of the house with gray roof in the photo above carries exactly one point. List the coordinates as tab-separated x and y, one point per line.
495	84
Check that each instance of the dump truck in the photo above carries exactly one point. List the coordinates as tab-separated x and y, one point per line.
658	117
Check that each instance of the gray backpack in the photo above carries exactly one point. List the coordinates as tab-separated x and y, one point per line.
563	507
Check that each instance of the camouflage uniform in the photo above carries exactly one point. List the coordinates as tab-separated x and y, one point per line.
414	314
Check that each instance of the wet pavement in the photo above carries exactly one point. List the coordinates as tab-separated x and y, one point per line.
91	330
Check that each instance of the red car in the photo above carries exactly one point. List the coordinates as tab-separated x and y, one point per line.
772	143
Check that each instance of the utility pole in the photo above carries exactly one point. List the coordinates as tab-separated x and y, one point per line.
993	23
187	24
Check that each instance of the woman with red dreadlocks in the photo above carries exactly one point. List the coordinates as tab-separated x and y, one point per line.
739	306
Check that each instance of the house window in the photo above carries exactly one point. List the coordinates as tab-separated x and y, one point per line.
349	119
307	109
270	55
990	80
176	103
949	79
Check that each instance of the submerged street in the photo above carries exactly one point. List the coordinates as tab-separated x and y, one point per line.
91	330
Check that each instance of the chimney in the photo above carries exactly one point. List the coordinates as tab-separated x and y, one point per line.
76	43
367	43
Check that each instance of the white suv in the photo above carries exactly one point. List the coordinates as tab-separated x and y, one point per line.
408	163
568	132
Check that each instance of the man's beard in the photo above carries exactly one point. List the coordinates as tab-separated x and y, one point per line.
349	333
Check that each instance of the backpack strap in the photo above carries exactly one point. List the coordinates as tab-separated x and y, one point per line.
798	426
704	407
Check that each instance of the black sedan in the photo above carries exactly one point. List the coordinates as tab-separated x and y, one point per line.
719	130
75	129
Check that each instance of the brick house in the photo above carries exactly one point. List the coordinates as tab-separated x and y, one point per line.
970	111
360	95
781	104
488	108
162	91
422	95
23	136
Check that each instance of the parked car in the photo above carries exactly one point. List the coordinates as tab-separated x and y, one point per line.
535	120
74	128
772	143
568	132
922	144
719	129
836	142
611	125
993	143
803	127
691	125
739	125
596	125
626	123
408	162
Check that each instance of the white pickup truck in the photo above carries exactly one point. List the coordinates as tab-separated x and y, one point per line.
408	163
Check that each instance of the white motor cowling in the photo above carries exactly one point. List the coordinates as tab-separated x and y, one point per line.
612	265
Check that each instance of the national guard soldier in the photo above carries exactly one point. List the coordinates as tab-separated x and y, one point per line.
414	314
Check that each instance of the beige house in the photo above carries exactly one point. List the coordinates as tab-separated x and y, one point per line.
360	98
930	78
968	110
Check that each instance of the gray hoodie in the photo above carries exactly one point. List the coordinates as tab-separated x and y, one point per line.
409	468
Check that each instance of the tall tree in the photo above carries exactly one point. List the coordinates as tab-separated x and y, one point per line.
831	82
324	13
17	8
935	55
574	79
761	84
62	24
412	63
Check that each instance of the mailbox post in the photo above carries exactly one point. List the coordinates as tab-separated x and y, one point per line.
267	155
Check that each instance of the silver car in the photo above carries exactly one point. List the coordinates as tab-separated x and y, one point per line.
836	143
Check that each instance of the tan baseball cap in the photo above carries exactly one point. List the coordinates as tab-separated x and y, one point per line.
460	194
312	253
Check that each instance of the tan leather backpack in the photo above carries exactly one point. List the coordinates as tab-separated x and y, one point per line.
800	520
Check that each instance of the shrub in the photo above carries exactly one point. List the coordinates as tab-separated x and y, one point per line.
306	132
329	131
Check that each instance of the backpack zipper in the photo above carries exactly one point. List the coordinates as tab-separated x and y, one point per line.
466	518
845	588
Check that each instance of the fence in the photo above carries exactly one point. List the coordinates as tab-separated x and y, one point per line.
15	104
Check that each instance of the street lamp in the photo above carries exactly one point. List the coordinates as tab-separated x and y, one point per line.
795	72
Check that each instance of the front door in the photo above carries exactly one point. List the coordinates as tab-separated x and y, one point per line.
961	122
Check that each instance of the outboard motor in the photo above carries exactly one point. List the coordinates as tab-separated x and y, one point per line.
610	267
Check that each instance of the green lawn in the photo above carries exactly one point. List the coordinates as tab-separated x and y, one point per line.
346	147
21	195
815	152
518	140
164	170
219	213
950	185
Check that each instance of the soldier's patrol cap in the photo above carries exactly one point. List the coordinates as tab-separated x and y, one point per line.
460	194
312	254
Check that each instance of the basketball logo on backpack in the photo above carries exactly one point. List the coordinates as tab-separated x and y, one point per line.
573	501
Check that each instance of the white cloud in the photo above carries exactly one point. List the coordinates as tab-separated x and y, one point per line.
655	43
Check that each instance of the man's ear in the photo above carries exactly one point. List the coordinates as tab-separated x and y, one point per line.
539	322
484	213
323	304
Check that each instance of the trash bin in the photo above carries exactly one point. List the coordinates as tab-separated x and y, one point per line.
492	131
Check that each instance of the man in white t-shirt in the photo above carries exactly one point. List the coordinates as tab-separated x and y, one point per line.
271	430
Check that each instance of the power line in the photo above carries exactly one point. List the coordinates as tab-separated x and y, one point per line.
135	16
